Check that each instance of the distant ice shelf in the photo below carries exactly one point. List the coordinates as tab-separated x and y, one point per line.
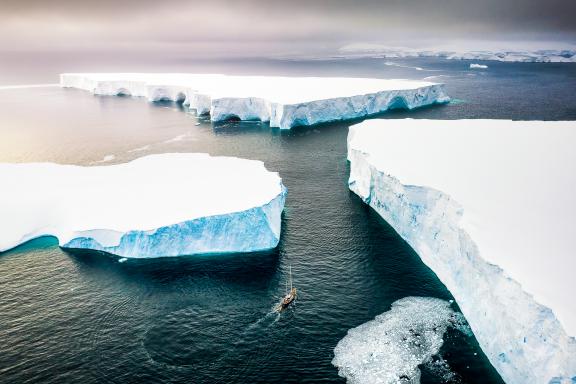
159	205
519	54
285	102
490	207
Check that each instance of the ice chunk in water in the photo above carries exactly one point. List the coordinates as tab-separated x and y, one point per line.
390	348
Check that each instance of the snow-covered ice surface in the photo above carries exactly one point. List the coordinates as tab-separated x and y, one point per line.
490	207
483	52
389	349
158	205
285	102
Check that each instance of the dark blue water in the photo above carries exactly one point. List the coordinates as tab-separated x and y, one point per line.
68	317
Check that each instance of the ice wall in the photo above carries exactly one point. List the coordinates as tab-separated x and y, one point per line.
160	205
285	102
489	206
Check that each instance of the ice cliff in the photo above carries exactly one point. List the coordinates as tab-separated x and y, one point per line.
159	205
285	102
490	207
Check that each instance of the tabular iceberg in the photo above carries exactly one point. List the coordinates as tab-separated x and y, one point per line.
490	207
285	102
159	205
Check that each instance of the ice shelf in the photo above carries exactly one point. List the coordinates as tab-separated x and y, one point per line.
159	205
490	207
489	52
285	102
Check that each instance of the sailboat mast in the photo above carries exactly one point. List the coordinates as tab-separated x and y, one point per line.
290	278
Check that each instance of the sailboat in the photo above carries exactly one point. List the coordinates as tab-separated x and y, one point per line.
290	295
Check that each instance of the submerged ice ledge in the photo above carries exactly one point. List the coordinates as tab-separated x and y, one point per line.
489	207
285	102
159	205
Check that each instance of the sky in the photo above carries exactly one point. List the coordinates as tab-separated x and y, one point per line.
272	26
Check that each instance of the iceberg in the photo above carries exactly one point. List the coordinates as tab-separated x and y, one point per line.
390	348
478	66
154	206
284	102
489	206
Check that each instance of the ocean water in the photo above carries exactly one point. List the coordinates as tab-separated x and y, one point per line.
71	316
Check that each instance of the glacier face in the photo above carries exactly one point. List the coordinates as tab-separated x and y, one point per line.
159	205
489	207
390	348
285	102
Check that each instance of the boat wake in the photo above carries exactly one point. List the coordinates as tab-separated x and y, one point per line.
392	64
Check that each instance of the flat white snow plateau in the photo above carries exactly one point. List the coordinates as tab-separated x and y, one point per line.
285	102
490	206
158	205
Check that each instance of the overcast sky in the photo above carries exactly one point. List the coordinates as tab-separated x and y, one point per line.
271	25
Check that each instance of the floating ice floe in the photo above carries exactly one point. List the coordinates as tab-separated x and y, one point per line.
106	159
490	207
285	102
478	66
159	205
390	348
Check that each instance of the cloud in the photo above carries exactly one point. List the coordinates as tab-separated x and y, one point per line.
243	24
